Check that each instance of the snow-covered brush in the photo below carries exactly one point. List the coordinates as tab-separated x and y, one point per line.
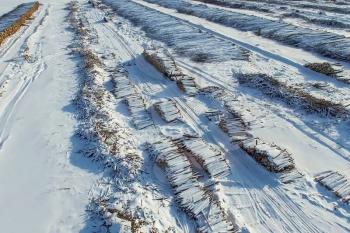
110	216
107	142
293	95
271	156
333	70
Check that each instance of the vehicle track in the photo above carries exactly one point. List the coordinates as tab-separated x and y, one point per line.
21	74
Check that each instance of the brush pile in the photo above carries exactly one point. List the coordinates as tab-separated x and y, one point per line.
323	68
11	22
272	157
337	183
333	70
293	95
168	110
106	140
190	194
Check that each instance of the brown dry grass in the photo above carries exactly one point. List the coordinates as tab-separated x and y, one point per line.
12	29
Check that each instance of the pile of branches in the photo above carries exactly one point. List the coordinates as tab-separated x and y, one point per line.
293	95
323	68
115	218
106	140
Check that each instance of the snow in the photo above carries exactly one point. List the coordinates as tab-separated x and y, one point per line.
44	187
136	115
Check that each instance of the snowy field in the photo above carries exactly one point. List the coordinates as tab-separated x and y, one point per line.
175	116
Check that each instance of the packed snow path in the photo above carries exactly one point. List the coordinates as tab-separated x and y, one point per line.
44	187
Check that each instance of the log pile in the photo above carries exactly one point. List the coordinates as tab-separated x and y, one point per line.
212	160
190	195
168	110
230	121
163	62
290	176
325	43
11	22
337	183
272	157
137	107
188	85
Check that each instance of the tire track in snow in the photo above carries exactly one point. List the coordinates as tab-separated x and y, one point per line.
25	72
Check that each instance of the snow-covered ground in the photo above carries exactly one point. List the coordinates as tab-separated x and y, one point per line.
86	144
44	186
